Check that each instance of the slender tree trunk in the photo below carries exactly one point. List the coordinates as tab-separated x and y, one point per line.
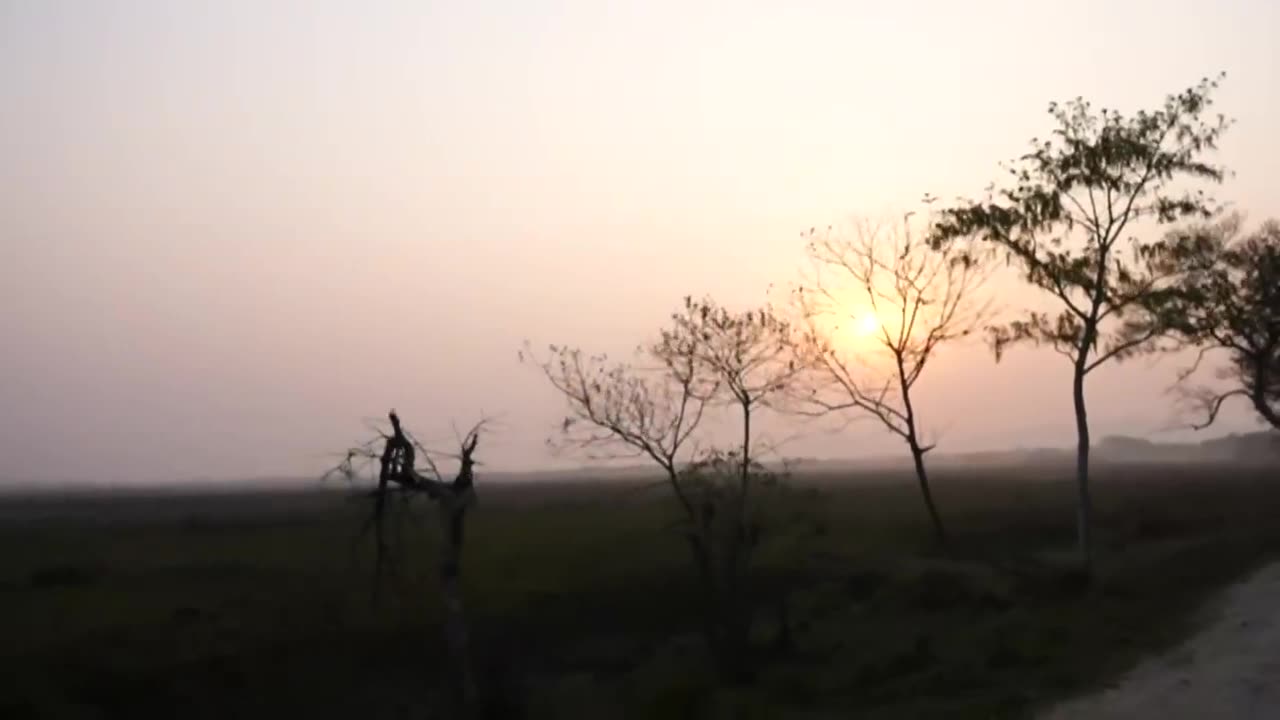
741	535
1264	409
917	455
917	452
738	606
734	604
1084	504
1258	394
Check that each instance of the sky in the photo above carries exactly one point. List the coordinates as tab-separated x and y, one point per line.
231	231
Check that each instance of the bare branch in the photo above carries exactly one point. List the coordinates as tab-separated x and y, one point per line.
917	298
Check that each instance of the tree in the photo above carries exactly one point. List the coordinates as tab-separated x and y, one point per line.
632	408
1233	306
653	406
1067	222
901	299
746	357
745	354
398	471
650	407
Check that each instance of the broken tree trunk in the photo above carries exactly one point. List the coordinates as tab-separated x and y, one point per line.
453	499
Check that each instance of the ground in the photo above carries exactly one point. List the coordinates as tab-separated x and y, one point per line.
1228	670
582	601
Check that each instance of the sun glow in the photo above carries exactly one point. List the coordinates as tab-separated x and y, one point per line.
866	325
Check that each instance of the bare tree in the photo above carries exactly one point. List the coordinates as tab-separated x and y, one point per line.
653	406
878	287
637	409
1067	221
398	471
1232	306
745	356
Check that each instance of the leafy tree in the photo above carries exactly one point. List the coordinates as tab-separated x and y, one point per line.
905	301
1233	306
1068	221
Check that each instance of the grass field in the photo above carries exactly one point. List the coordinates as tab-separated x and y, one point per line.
583	606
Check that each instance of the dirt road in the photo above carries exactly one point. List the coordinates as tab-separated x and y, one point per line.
1227	671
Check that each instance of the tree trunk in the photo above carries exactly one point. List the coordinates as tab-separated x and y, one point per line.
917	455
1084	504
737	601
452	513
1267	412
917	452
1258	394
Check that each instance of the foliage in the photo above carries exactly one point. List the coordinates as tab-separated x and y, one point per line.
1232	304
582	607
1067	222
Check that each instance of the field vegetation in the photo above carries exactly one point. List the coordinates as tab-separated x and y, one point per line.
580	605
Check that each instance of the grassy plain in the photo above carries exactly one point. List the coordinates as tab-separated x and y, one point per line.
582	605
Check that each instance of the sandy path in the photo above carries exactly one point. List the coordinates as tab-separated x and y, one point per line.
1229	670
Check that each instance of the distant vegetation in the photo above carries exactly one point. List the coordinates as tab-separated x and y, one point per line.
577	607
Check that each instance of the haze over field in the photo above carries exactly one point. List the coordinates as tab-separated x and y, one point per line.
230	230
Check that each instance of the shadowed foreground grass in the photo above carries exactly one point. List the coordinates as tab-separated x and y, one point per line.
583	606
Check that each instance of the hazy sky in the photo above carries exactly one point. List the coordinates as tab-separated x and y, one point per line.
232	229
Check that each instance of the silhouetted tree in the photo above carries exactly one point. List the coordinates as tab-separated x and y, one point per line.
629	408
398	471
746	358
652	406
649	407
1067	221
746	355
915	300
1233	306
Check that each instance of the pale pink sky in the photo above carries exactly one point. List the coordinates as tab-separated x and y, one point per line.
231	230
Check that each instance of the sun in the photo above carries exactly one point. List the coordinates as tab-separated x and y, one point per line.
866	325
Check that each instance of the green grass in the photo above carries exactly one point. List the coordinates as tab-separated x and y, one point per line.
582	606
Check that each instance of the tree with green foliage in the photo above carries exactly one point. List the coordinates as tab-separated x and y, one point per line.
1232	306
1069	221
